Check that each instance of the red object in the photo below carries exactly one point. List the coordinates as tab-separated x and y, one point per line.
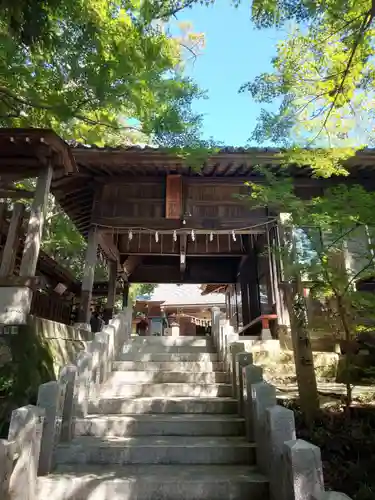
173	198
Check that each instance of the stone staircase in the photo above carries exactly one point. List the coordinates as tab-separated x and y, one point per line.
163	426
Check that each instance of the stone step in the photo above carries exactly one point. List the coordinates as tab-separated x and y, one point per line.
154	482
160	425
146	376
163	405
159	390
174	366
135	347
164	357
172	341
156	450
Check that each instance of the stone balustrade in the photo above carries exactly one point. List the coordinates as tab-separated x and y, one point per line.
35	431
293	466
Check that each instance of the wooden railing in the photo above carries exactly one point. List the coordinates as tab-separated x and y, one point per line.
51	306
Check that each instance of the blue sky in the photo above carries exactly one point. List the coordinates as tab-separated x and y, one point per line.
235	53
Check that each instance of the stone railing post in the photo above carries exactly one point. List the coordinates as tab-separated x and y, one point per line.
293	466
215	327
51	397
234	349
97	351
82	388
304	470
279	427
7	455
251	374
263	396
242	359
229	339
26	429
67	376
105	367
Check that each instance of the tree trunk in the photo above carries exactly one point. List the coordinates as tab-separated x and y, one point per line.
303	356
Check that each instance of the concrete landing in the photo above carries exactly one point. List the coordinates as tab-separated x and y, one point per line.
154	482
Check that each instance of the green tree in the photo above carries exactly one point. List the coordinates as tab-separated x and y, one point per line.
92	70
327	232
322	80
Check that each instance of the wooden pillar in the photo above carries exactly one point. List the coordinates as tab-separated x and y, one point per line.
35	227
252	279
12	241
88	276
245	298
125	296
111	296
279	276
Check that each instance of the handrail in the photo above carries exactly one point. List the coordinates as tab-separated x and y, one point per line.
263	318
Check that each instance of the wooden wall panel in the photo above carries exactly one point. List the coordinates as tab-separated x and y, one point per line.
219	201
130	201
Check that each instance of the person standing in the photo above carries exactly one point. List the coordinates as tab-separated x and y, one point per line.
142	327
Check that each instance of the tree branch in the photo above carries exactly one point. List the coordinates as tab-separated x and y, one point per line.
39	105
369	16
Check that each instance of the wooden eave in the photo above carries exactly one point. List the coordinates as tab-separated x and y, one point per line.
95	165
24	151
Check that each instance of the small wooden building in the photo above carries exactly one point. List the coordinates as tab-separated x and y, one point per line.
184	305
158	220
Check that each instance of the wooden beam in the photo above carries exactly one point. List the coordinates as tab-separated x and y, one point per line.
88	277
111	295
12	241
131	263
36	221
16	193
109	248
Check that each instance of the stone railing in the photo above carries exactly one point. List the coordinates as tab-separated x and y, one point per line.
35	431
293	466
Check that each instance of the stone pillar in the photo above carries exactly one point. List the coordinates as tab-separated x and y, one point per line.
263	397
175	330
304	470
105	367
88	277
279	427
35	227
235	349
7	452
97	350
67	376
11	244
215	326
82	388
51	397
242	359
26	428
111	296
251	374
